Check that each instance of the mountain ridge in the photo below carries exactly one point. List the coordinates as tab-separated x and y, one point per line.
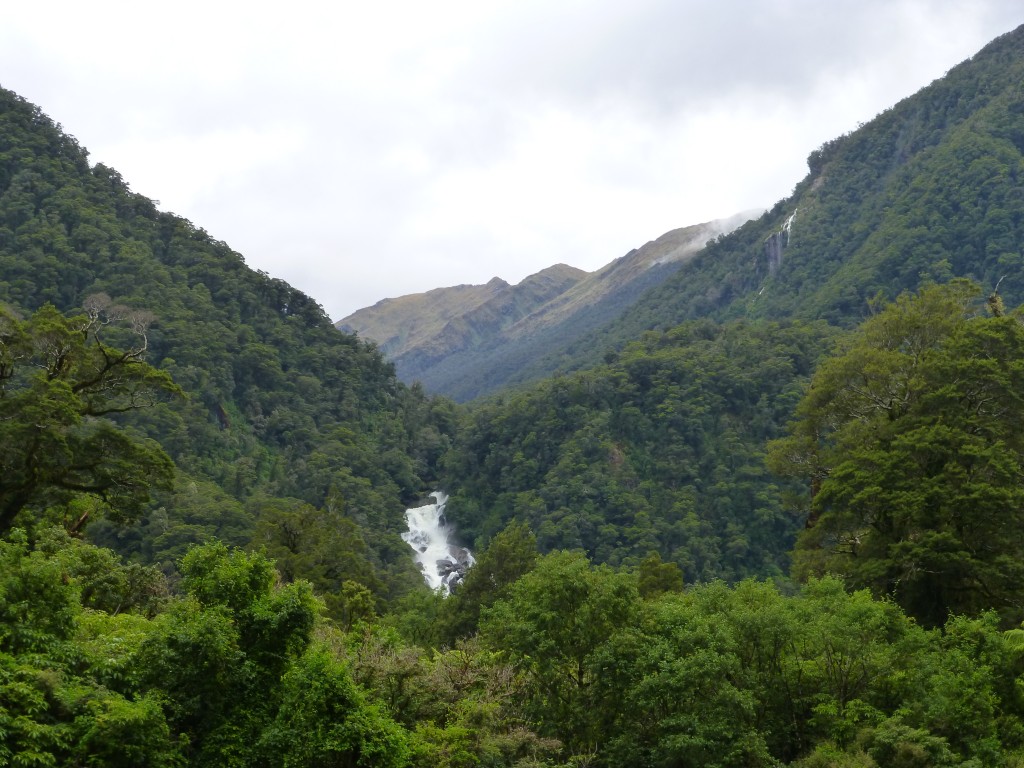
928	190
448	338
440	316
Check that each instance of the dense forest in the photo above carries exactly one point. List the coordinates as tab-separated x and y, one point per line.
778	526
660	449
280	422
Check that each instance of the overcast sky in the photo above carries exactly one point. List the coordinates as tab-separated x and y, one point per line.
362	150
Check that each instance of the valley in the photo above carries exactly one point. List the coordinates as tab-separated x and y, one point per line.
751	494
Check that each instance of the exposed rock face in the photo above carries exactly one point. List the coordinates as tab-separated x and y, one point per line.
452	573
773	250
469	340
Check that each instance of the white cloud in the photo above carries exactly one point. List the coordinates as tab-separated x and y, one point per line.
364	150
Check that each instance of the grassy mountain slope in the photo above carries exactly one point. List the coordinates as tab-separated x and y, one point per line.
420	331
479	347
435	323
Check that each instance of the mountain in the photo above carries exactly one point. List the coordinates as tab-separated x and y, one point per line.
927	191
292	436
432	325
470	340
651	435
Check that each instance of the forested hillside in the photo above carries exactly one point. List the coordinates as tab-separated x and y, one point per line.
660	447
660	450
285	423
752	538
928	190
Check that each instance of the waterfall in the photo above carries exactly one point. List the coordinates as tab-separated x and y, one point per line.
776	242
443	563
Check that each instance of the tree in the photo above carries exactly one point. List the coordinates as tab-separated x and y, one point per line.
910	442
217	657
60	384
320	546
510	554
324	720
676	686
62	681
655	577
554	622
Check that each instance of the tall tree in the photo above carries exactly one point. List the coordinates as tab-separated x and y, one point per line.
218	656
911	444
510	554
554	623
61	381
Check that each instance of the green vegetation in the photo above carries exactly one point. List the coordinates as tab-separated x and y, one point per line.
201	487
660	450
58	380
911	445
571	666
281	413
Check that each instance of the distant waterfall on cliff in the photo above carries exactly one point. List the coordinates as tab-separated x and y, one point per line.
776	242
443	563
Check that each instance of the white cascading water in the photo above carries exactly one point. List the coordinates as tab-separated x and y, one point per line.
442	562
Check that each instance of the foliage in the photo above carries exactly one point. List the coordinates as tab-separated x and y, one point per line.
59	384
660	450
511	554
104	583
54	710
463	706
572	666
323	720
909	442
554	622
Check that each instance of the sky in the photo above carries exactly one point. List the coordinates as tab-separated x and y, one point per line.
364	150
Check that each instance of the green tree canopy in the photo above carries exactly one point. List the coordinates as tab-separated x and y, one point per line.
60	382
554	622
911	445
510	554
